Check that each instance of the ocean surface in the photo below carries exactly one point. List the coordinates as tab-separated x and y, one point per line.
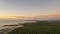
10	22
7	22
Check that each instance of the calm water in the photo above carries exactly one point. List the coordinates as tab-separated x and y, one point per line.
5	22
10	22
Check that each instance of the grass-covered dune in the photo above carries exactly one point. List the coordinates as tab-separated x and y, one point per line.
40	27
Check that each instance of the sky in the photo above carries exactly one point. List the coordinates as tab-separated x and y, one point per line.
29	7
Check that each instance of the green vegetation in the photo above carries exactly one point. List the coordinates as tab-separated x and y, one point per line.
40	27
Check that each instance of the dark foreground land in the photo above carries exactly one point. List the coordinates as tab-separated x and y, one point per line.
40	27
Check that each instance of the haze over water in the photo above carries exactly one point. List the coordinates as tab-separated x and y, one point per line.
10	22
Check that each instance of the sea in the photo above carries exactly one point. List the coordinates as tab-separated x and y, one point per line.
10	22
13	21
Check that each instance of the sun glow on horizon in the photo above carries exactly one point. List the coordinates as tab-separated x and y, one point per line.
7	17
19	17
